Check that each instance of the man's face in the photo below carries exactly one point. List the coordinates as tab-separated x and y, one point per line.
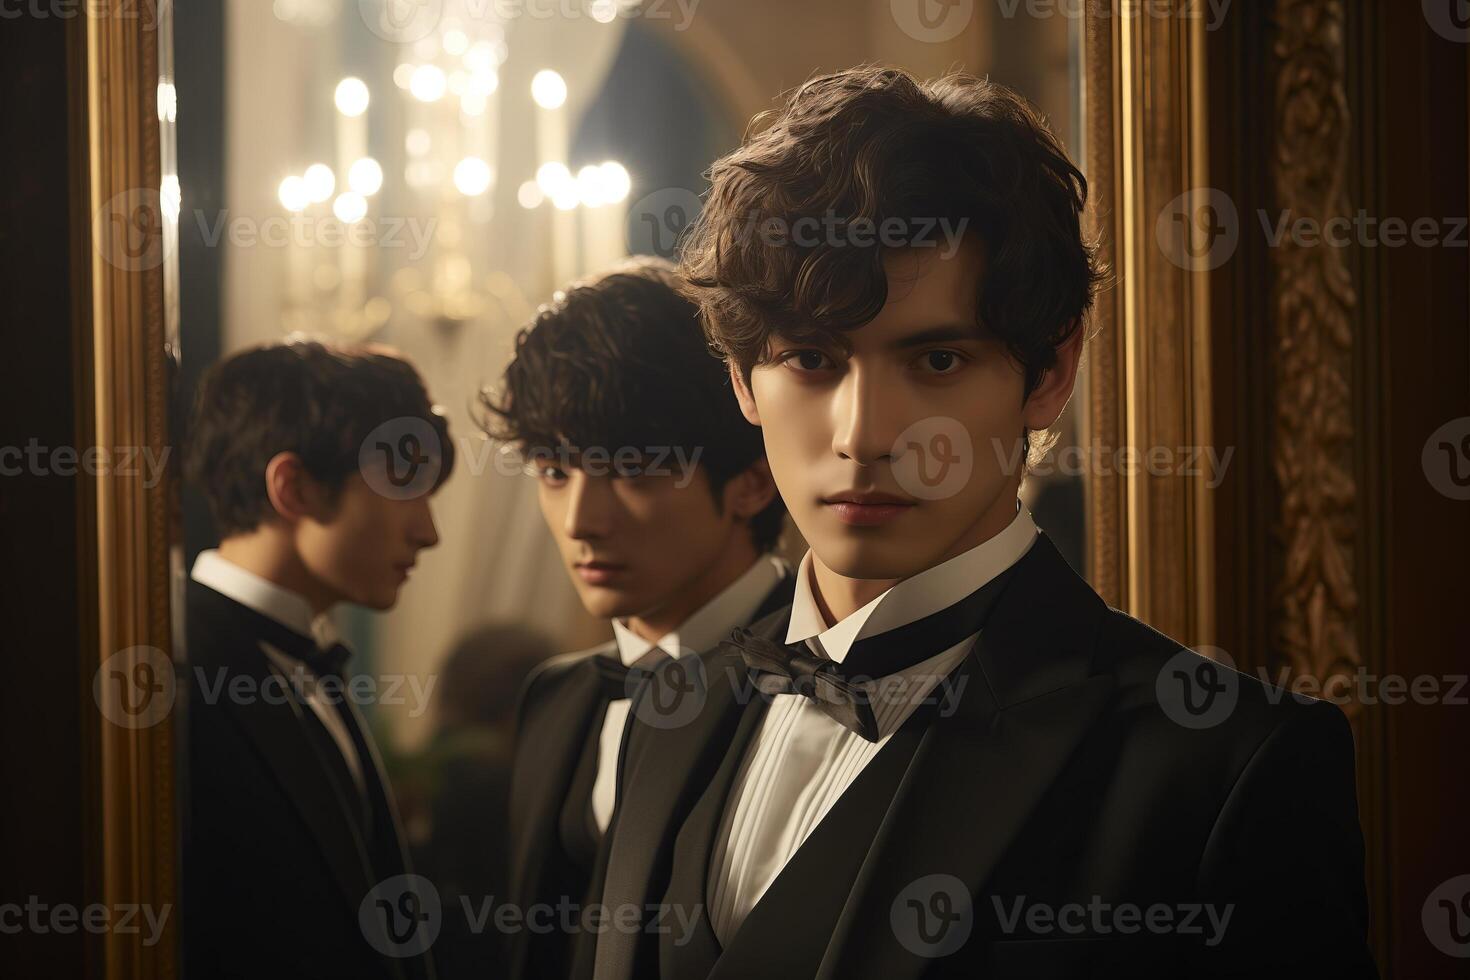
634	543
904	452
366	543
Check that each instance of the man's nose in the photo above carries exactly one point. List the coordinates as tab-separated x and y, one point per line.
587	506
865	418
426	534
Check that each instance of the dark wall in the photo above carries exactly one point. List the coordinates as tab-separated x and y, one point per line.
44	763
199	58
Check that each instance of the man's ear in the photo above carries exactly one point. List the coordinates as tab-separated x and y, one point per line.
743	395
293	493
751	490
1045	403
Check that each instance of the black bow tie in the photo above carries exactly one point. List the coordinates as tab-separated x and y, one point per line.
619	680
329	661
844	691
786	670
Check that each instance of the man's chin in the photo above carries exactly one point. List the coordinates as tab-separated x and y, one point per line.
873	559
605	603
382	602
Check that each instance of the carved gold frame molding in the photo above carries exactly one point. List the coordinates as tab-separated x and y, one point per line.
1149	369
125	231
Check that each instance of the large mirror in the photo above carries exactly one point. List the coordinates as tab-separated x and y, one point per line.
425	177
1257	460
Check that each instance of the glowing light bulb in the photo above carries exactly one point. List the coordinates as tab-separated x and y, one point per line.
350	207
549	89
473	176
428	83
320	182
293	195
365	177
531	195
352	97
617	185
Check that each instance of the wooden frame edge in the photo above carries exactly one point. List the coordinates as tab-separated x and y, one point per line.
127	544
1147	151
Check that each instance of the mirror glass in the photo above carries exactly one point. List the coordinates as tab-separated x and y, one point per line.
425	176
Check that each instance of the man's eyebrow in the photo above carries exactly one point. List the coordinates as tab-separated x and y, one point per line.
936	334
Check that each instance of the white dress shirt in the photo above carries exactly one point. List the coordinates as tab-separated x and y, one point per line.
800	761
293	612
704	629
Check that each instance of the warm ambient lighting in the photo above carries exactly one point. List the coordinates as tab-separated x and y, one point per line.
320	182
428	83
350	207
549	89
531	195
473	176
365	177
293	194
352	97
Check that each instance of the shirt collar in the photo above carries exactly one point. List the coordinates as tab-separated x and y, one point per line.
711	622
914	598
263	596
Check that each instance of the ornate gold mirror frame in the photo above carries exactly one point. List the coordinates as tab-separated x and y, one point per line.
1144	106
125	231
1149	385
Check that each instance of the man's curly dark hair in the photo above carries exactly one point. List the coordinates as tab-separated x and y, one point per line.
875	146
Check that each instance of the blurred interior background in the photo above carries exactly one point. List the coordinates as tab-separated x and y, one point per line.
475	163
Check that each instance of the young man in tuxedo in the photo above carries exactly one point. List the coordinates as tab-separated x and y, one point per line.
318	464
949	758
662	506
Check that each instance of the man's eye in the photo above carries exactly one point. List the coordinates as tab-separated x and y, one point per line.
807	359
551	474
941	361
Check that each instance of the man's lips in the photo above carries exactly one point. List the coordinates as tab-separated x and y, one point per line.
598	572
867	508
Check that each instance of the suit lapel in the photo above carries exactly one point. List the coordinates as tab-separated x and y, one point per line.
689	734
1028	701
558	735
276	727
231	637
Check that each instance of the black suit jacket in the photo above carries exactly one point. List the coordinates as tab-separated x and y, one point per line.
276	867
559	706
1043	824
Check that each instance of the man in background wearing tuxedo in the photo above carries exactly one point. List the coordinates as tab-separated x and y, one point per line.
658	495
318	464
949	758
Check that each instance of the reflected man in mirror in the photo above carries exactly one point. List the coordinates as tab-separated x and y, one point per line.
658	495
318	464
